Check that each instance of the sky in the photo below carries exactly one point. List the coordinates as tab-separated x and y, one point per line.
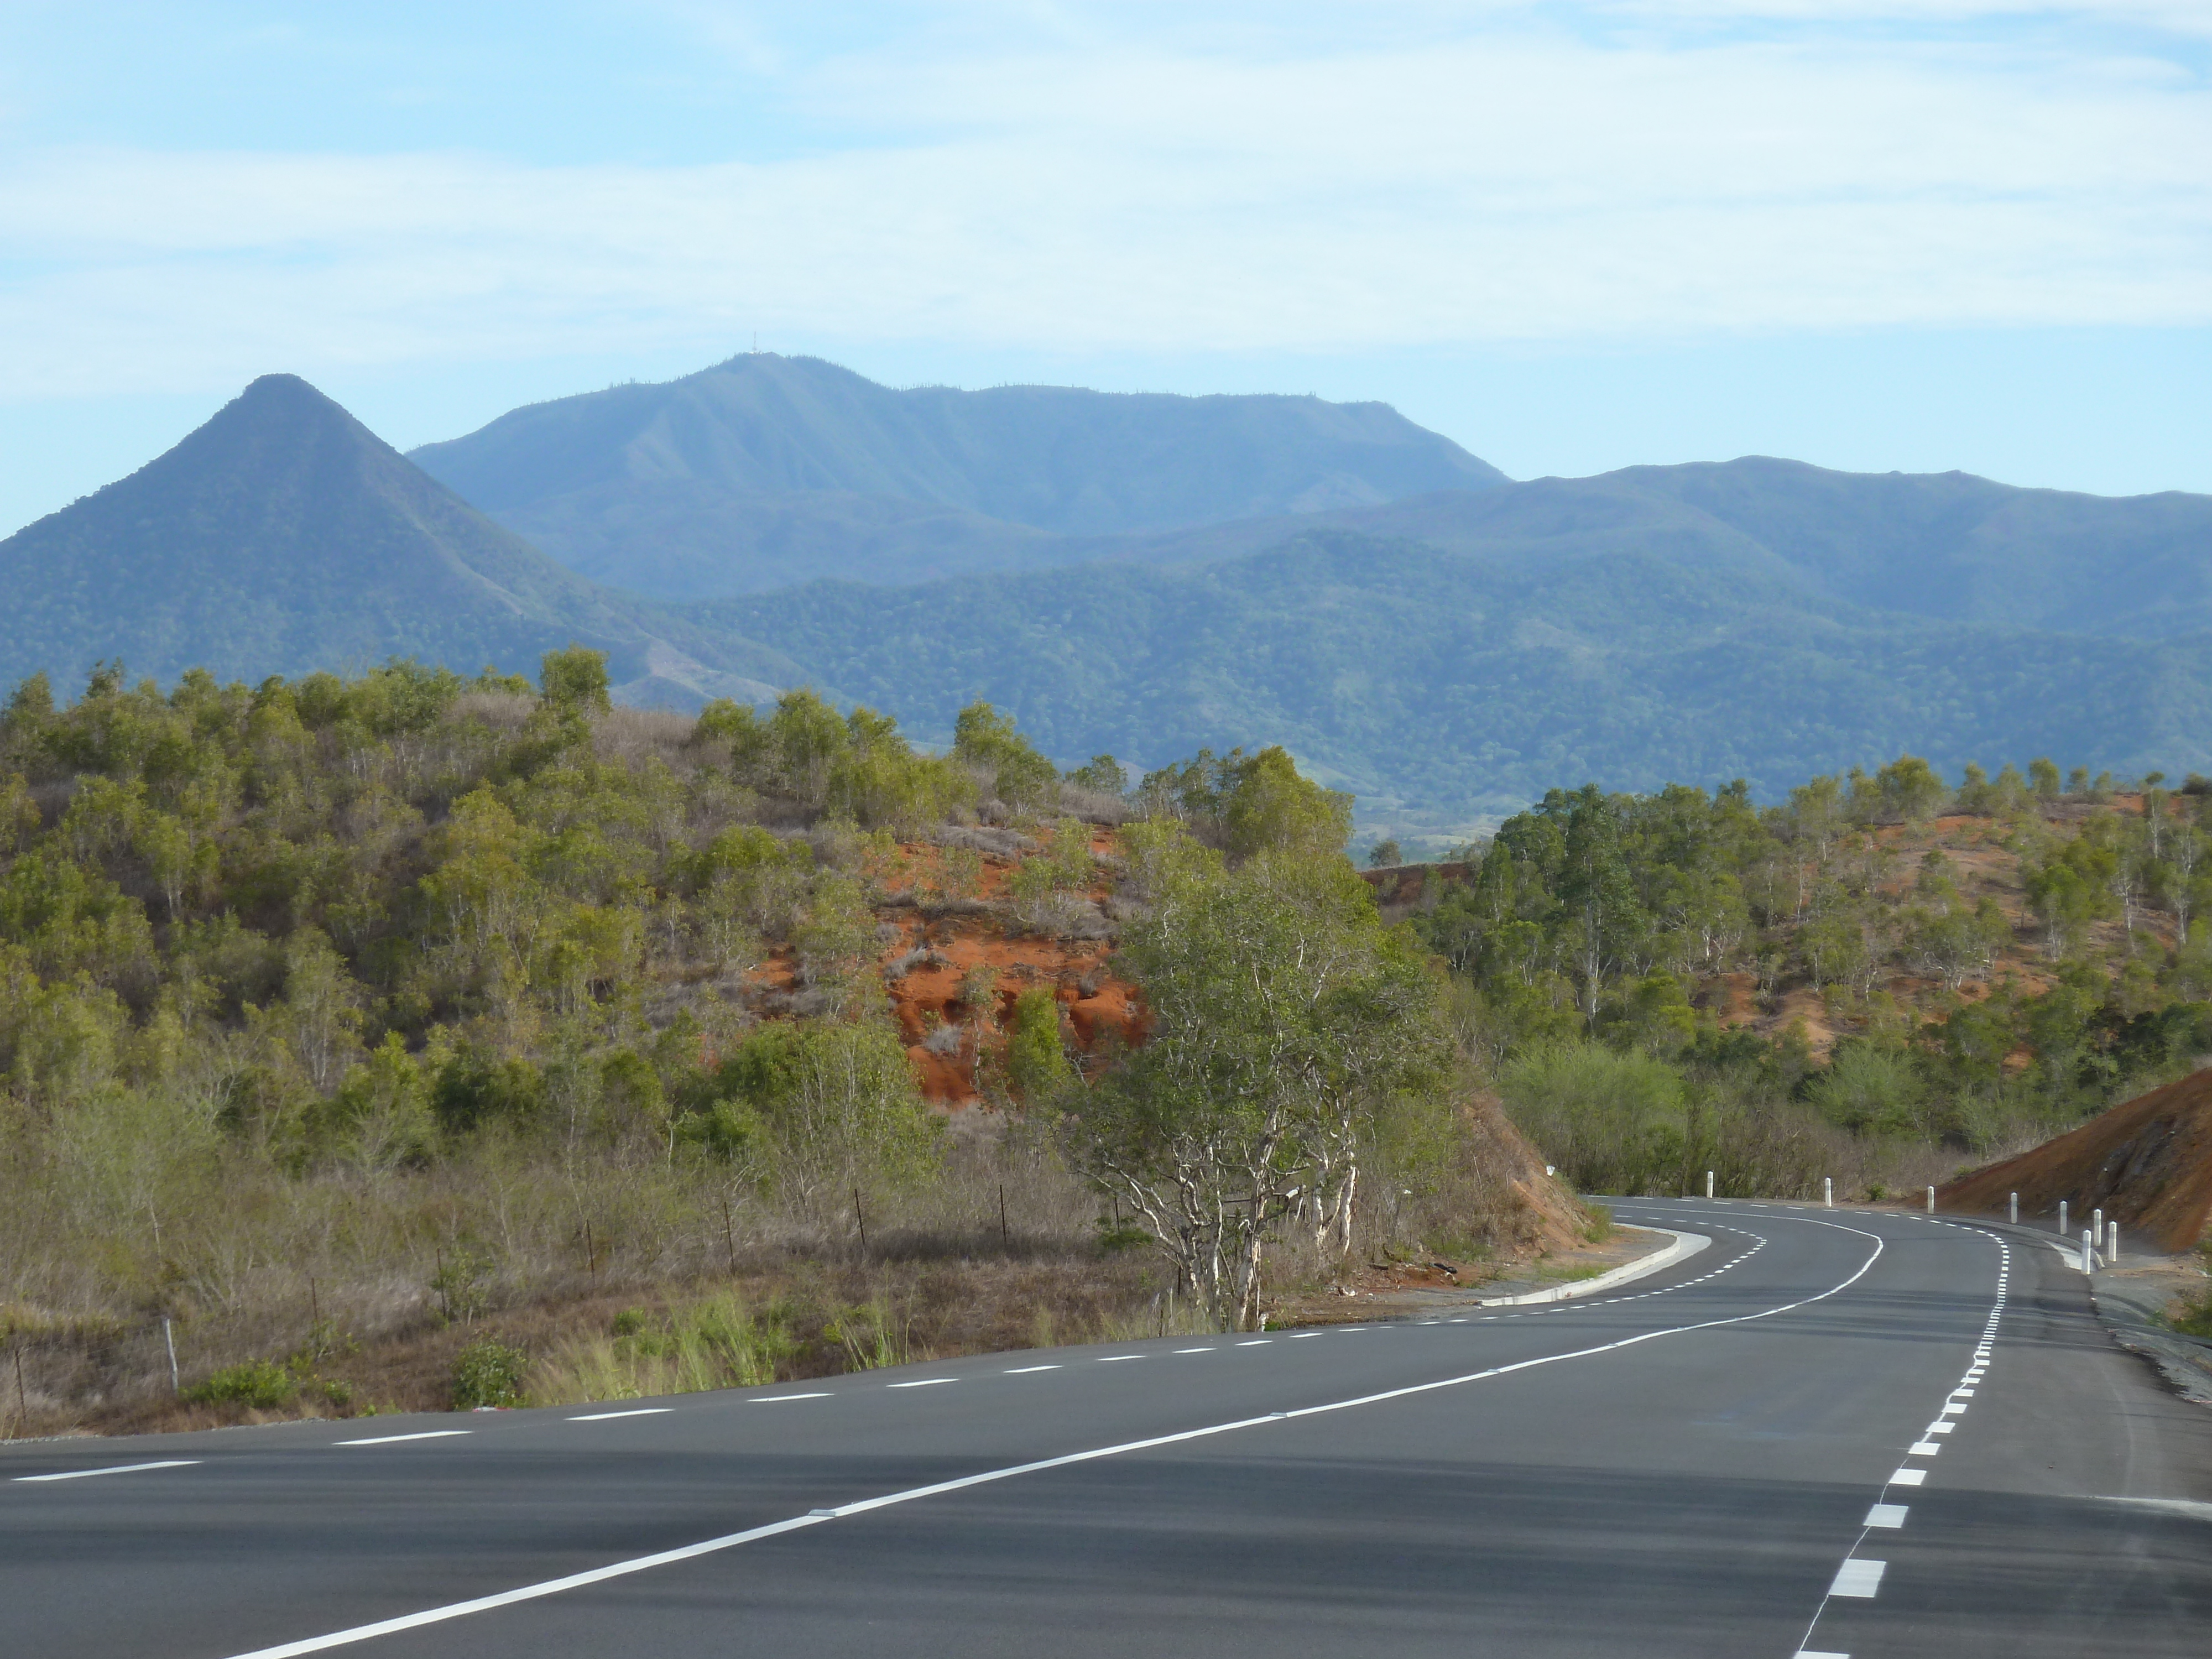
1874	235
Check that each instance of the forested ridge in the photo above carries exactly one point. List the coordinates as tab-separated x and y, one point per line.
409	1038
1667	983
1448	692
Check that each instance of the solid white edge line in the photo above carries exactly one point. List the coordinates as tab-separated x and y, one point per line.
113	1469
391	1439
773	1528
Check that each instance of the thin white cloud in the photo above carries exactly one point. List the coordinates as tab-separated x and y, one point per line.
1513	183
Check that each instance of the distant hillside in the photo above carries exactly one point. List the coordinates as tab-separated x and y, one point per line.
765	471
283	536
1443	688
1948	545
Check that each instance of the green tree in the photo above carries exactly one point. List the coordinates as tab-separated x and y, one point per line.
1910	788
574	680
988	741
1284	1017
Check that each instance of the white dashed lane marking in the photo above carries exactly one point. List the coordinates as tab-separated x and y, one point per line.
635	1411
114	1468
393	1439
1858	1578
777	1399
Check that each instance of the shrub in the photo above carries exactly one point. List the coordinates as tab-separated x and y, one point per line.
263	1383
1611	1121
1036	1062
714	1343
488	1373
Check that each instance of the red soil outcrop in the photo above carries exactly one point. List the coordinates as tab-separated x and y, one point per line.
936	971
2147	1161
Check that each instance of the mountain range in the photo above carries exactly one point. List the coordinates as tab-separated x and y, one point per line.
744	476
1151	574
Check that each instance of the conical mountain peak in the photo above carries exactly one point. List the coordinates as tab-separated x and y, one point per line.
283	536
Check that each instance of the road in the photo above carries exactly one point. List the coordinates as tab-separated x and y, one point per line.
1829	1432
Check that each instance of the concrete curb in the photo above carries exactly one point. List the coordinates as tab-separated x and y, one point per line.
1685	1246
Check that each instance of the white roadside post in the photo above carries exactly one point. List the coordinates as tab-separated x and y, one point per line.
2113	1244
2016	1209
2089	1250
2061	1218
2097	1225
1828	1191
1709	1183
1931	1200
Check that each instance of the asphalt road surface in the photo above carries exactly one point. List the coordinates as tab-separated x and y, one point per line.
1828	1432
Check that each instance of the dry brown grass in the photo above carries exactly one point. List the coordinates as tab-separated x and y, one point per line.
376	1282
632	736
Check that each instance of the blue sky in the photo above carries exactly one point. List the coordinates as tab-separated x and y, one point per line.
1870	234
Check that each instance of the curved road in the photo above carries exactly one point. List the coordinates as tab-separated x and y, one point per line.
1829	1432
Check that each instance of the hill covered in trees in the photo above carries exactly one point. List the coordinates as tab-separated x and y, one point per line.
283	536
766	471
1448	690
425	998
409	1038
1972	969
1949	547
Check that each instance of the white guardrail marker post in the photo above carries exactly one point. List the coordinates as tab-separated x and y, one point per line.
1709	1183
2016	1209
1828	1191
1931	1200
2113	1243
2088	1250
2061	1218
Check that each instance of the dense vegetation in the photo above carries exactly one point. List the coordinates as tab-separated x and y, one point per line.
1988	981
336	1013
1442	690
352	1004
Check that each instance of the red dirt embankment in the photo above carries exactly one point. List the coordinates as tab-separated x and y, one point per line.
1536	1212
2148	1163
